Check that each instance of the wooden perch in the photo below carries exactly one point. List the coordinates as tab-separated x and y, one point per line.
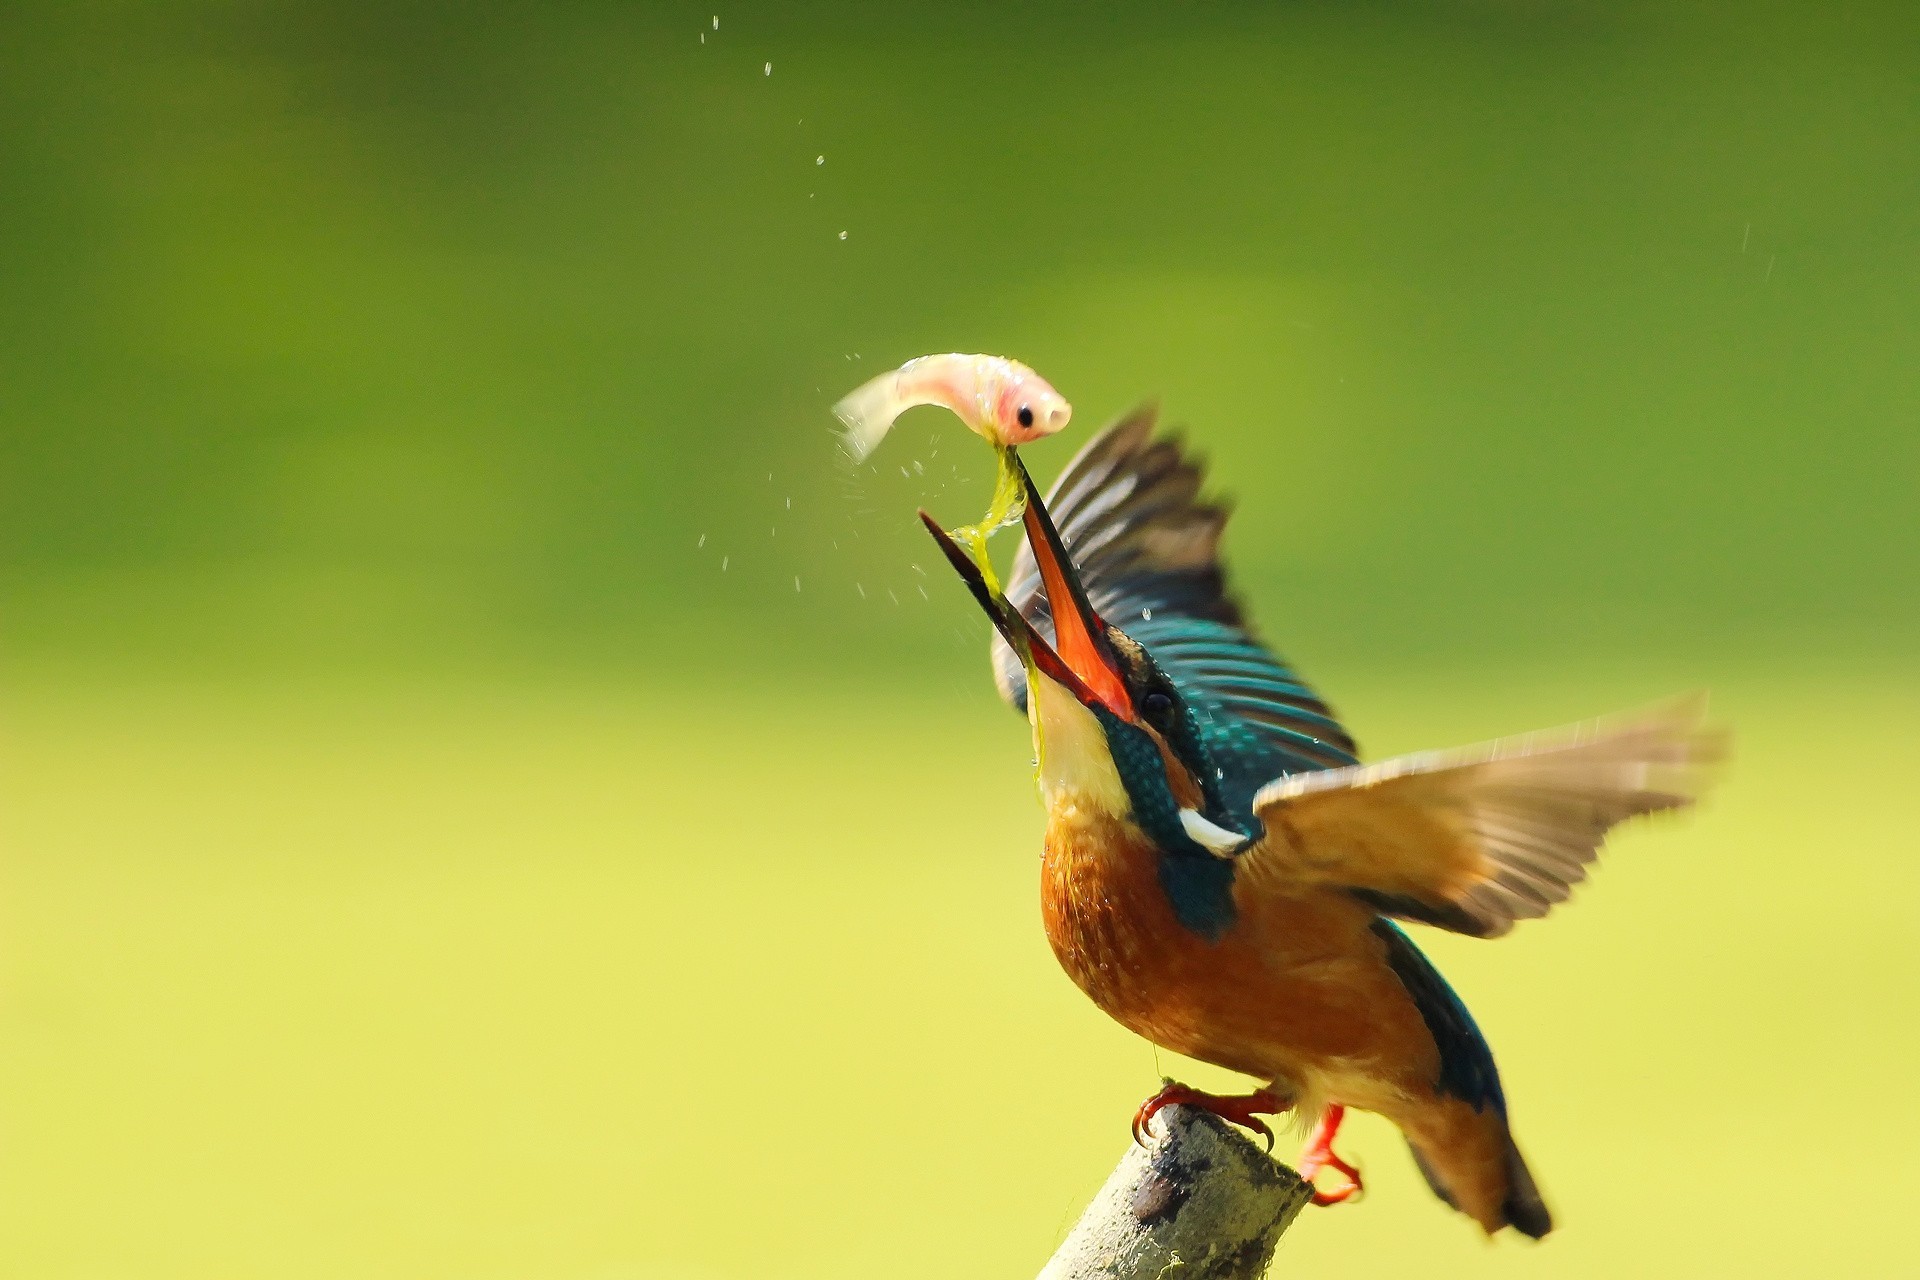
1204	1202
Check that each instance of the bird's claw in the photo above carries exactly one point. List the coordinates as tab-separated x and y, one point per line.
1319	1154
1342	1194
1241	1109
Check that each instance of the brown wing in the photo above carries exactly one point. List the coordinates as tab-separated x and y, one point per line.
1476	838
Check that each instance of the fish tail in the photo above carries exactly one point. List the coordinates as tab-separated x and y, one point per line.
868	411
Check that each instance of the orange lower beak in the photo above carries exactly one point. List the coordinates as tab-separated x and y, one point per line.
1080	634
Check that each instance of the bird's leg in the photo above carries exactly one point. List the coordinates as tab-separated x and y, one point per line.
1241	1108
1318	1154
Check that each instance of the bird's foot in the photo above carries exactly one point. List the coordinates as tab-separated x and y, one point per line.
1318	1154
1242	1109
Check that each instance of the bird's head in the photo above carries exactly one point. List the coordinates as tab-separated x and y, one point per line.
1112	734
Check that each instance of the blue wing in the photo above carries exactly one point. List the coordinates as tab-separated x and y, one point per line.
1466	1061
1147	547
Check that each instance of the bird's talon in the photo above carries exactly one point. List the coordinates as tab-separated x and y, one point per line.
1240	1109
1339	1195
1319	1154
1259	1127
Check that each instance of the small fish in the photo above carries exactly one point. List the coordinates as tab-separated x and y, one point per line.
1000	399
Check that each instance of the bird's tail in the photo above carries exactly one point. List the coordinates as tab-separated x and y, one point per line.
1469	1159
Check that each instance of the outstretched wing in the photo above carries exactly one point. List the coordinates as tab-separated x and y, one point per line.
1477	838
1147	547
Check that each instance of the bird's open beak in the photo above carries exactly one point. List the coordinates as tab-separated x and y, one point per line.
1080	657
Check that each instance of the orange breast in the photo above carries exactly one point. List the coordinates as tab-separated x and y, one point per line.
1297	991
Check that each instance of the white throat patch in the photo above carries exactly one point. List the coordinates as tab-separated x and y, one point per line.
1076	766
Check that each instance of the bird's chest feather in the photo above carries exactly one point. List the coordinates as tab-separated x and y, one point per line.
1292	985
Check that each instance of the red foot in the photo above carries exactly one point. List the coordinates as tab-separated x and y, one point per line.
1318	1154
1241	1109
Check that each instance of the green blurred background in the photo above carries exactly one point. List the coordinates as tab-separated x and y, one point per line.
487	793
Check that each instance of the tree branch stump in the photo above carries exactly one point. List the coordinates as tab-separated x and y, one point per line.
1203	1202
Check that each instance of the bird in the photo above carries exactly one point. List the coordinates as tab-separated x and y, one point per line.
1224	876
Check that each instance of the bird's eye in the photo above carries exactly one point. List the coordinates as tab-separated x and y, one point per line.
1156	707
1025	415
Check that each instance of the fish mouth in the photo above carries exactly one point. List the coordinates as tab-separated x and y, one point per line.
1080	657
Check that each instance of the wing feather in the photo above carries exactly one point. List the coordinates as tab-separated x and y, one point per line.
1147	547
1477	838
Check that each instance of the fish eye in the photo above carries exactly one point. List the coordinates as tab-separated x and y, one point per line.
1025	415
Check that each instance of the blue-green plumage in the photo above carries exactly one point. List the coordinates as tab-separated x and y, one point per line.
1197	883
1466	1060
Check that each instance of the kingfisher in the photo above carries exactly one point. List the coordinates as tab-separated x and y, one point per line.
1224	877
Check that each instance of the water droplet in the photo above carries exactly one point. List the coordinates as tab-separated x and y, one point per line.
843	235
701	543
819	160
796	582
891	596
703	37
716	22
918	469
789	503
723	563
906	473
768	70
923	592
1146	615
773	533
862	590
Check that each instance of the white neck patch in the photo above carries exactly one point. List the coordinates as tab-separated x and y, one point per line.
1076	766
